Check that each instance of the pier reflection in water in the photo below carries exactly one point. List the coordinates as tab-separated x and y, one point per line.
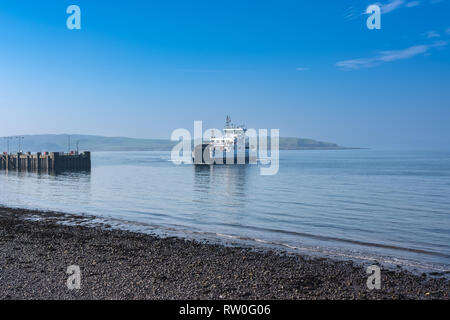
39	189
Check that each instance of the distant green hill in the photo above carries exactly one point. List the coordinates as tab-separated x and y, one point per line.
57	143
302	143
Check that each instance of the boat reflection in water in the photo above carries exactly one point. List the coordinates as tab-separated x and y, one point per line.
222	184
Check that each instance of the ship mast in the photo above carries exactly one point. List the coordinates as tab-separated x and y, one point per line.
228	122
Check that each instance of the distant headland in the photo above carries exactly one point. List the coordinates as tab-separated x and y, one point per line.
64	142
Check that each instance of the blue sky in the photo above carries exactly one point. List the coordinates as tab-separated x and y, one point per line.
310	68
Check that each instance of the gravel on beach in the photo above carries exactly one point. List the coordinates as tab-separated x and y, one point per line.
116	264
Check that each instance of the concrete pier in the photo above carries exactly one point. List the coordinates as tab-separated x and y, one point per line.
51	161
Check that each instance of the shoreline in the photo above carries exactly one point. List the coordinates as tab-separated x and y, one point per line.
36	249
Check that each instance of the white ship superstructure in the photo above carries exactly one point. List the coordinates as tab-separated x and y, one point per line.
229	147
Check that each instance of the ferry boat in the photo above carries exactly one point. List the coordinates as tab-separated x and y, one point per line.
231	147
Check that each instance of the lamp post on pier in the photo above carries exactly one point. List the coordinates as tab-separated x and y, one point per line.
7	143
20	142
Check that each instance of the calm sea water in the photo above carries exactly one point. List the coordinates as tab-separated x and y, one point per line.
389	206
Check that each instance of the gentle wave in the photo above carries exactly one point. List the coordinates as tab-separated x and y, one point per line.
387	204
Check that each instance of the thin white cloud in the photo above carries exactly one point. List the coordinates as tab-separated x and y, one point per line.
388	56
447	31
432	34
351	13
200	70
396	4
302	69
391	6
412	4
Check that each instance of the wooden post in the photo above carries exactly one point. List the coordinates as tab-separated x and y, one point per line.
28	161
88	160
53	156
18	162
38	155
